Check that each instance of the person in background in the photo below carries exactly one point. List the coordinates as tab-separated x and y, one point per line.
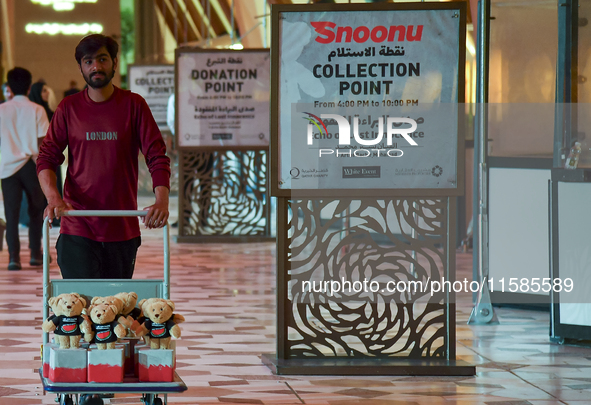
39	94
72	90
23	125
6	92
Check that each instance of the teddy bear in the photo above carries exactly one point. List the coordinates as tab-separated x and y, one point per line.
160	323
110	300
68	323
130	312
140	320
106	329
129	300
136	323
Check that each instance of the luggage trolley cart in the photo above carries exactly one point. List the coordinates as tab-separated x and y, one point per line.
68	393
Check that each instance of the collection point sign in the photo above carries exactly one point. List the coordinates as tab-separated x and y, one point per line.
368	94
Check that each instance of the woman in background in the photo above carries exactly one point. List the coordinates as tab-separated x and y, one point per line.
39	94
6	92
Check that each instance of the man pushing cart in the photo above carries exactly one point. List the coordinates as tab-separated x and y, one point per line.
104	128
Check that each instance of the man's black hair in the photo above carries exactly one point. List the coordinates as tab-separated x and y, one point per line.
19	80
90	44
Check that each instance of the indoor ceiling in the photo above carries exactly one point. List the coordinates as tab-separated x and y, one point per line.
194	21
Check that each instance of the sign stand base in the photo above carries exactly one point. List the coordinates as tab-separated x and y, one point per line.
367	366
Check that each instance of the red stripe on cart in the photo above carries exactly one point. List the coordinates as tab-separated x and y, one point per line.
62	374
156	373
104	373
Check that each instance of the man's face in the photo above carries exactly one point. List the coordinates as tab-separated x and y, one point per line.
98	69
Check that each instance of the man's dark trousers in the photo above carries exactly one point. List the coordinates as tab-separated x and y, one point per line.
12	188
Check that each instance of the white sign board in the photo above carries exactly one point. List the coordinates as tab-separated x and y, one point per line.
368	99
155	83
223	98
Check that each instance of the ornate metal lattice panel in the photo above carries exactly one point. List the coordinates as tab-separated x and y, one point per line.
224	193
387	251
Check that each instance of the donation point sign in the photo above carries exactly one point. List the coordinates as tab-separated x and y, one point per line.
366	97
223	98
155	83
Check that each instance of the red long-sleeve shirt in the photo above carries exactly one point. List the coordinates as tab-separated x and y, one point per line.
104	140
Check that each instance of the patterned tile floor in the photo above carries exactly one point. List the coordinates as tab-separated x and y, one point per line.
227	294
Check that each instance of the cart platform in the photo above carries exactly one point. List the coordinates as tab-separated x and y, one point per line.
129	385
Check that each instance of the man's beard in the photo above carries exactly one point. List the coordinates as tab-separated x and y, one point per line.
99	83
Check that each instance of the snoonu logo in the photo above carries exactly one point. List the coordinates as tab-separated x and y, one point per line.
328	32
393	129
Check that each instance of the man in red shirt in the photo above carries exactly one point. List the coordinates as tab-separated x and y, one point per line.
104	128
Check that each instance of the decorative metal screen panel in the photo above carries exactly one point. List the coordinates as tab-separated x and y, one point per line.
387	251
224	193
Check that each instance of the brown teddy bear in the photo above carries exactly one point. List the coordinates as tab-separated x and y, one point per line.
106	329
136	323
130	312
110	300
135	326
160	323
129	300
67	323
119	303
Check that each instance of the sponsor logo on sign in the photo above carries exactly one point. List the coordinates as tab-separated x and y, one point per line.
361	172
217	137
328	32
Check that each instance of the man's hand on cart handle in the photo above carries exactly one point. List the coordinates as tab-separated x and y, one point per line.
158	213
55	207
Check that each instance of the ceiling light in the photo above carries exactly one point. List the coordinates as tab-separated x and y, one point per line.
62	5
65	29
